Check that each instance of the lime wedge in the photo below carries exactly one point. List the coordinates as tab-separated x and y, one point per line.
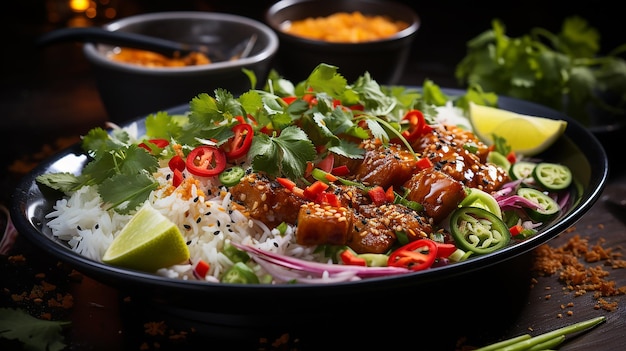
149	241
527	135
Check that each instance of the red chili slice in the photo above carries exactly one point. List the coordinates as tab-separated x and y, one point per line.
161	143
176	162
349	258
239	144
206	161
202	268
417	125
416	255
444	250
177	178
289	99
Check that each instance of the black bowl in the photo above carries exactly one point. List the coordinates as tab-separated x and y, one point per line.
384	59
129	90
445	297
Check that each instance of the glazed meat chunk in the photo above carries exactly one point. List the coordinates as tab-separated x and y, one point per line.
370	235
463	156
267	200
438	192
385	166
323	224
363	226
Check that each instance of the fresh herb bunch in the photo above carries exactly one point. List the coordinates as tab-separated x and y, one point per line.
563	71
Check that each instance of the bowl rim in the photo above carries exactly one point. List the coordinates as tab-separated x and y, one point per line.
407	32
91	52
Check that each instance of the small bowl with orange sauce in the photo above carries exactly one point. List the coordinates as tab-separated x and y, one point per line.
357	36
134	82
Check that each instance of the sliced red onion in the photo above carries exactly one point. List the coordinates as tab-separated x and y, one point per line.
319	269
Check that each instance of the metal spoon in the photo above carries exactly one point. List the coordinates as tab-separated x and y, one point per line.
138	41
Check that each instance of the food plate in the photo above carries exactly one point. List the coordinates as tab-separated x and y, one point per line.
235	304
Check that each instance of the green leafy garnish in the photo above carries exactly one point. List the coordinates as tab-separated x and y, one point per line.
35	334
284	154
324	115
122	171
562	70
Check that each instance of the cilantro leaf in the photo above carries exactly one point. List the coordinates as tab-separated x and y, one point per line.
264	153
35	334
123	173
377	130
137	160
325	78
373	98
162	125
65	182
561	70
97	142
286	154
206	110
125	192
252	102
99	169
347	149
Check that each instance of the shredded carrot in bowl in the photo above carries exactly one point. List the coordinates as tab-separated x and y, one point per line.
345	27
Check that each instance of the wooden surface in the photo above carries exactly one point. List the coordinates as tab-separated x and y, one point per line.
50	98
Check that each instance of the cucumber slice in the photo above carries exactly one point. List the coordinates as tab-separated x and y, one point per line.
522	170
549	207
552	176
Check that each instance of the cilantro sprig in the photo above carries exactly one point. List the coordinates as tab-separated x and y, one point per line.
120	169
561	70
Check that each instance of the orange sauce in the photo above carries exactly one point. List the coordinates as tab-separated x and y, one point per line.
346	27
153	59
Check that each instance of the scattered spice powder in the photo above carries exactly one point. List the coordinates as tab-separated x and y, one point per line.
582	268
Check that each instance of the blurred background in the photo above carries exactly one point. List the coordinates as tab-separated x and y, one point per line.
51	79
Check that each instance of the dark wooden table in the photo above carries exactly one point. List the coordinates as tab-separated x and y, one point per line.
49	98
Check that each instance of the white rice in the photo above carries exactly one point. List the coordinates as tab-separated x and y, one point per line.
206	219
